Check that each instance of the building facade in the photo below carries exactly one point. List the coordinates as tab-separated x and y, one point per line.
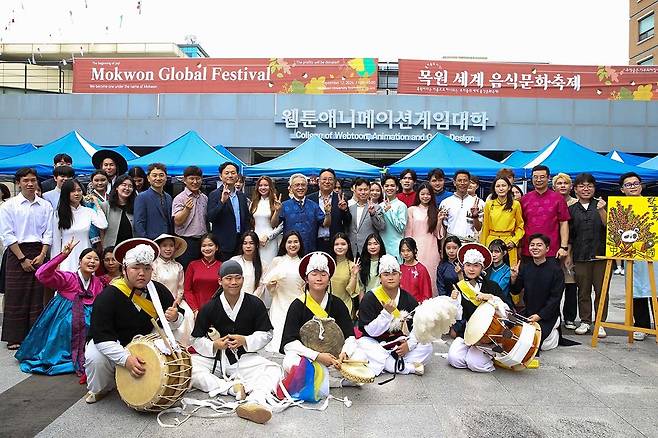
643	43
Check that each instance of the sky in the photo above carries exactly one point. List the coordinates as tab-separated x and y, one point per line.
588	32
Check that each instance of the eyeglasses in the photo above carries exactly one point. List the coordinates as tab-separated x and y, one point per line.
540	177
585	186
631	185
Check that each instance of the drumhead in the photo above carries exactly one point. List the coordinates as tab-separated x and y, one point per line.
140	391
359	373
479	323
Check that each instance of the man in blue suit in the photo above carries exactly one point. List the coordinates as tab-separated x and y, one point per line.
152	210
228	212
340	214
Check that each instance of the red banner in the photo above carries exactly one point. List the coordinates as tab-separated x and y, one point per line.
486	79
208	75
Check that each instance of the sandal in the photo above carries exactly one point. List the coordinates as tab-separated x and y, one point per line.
13	346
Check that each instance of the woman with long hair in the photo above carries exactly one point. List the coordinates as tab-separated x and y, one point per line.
345	281
502	218
249	258
72	221
447	274
395	215
264	209
202	275
373	249
56	342
139	178
414	277
119	211
283	283
424	224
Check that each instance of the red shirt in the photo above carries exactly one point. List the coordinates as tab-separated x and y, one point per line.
201	282
543	214
407	198
416	280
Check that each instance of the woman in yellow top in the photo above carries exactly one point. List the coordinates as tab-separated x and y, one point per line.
502	218
344	283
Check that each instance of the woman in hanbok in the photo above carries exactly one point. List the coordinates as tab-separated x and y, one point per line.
202	275
447	274
424	221
395	216
265	207
502	218
414	277
169	272
56	342
283	283
72	221
345	281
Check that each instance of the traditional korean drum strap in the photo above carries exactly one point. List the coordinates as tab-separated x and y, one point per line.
139	300
468	292
313	306
383	298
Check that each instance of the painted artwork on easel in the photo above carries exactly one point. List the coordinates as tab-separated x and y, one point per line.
632	231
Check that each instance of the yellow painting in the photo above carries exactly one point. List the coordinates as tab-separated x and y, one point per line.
632	231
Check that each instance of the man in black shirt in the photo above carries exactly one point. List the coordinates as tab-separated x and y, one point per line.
123	310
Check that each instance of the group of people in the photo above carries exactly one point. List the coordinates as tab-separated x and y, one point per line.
256	269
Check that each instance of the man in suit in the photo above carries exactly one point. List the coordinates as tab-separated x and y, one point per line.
367	217
152	209
340	214
228	212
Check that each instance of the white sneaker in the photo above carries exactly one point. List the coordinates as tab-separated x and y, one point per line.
617	271
602	333
621	271
582	329
639	336
569	325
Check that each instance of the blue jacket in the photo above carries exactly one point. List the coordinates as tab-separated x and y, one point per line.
222	218
152	214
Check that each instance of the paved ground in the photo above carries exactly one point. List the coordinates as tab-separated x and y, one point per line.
610	391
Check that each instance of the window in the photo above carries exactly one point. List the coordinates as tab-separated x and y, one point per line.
646	61
646	27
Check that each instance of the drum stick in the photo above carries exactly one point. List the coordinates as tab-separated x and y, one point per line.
164	338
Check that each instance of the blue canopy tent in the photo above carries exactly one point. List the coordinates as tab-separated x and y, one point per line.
518	158
190	149
440	151
567	156
13	150
232	157
650	164
625	157
73	144
309	158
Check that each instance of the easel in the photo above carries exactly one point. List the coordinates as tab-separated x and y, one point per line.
628	320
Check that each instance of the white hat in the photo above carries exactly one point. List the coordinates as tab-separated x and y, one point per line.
388	264
474	257
140	255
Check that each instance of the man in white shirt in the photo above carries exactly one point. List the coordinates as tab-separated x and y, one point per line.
26	230
463	212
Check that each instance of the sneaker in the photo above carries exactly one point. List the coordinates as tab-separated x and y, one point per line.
582	329
570	325
93	397
617	271
639	336
419	369
621	271
602	333
254	412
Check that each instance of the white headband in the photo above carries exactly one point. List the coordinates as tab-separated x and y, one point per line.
142	254
317	262
474	257
388	264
